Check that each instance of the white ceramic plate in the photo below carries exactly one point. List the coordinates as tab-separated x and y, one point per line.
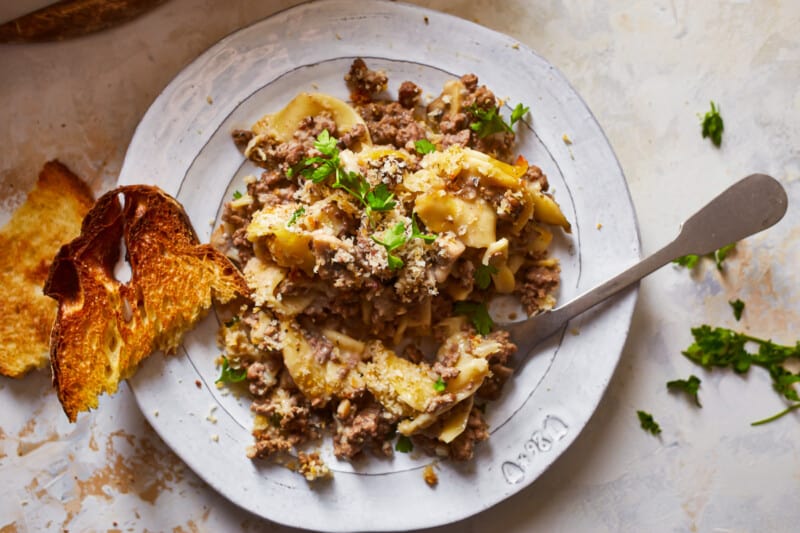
183	145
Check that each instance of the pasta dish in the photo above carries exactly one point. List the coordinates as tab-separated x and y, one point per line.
371	243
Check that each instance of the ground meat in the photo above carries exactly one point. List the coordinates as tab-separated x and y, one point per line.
470	81
453	123
261	380
538	283
462	138
445	372
364	83
534	174
369	425
492	386
241	138
391	123
353	137
408	94
462	448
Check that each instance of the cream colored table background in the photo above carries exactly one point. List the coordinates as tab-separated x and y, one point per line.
646	69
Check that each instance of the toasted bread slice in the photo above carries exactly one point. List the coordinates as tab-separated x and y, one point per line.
50	216
104	327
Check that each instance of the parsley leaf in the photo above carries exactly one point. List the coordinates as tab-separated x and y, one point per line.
380	199
231	375
477	313
236	195
483	275
404	444
440	385
689	386
722	253
688	261
417	234
713	126
518	112
777	416
393	238
234	319
724	348
488	122
300	211
648	423
738	306
424	146
326	144
691	260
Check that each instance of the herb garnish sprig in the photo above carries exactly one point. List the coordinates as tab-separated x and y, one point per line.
724	348
231	375
489	121
320	168
478	315
396	236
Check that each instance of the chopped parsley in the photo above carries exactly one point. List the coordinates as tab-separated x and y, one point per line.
440	385
518	112
395	237
236	195
691	260
689	386
489	121
713	126
404	444
231	375
648	423
738	306
721	254
234	320
424	146
477	313
724	348
300	211
483	275
320	168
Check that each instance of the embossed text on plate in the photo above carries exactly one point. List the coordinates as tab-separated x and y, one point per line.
542	440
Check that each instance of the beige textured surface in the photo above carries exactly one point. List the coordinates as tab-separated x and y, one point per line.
646	69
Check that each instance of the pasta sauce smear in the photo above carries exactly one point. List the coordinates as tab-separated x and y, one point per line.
371	242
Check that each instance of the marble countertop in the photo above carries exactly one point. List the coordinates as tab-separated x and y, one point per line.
646	69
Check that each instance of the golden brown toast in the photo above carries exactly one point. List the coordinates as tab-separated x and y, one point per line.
104	328
50	216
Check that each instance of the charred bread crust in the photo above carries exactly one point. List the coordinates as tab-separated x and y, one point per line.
104	327
50	216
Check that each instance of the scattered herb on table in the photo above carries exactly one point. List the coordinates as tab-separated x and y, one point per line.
689	386
691	260
231	375
713	126
724	348
478	315
738	306
648	423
